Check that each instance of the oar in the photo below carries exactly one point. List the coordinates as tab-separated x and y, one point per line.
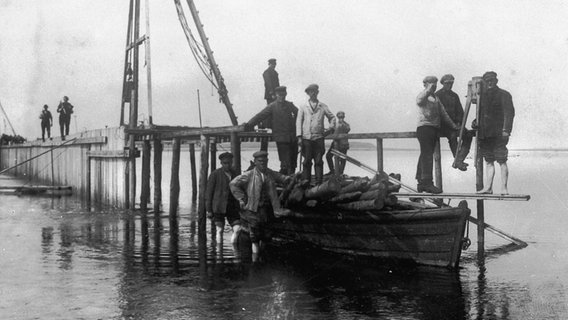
371	170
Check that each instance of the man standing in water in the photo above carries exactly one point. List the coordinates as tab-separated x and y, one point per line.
65	110
46	123
451	102
431	113
282	114
219	201
496	113
255	190
310	132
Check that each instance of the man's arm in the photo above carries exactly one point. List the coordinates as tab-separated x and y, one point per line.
299	122
445	116
508	113
263	114
424	94
237	187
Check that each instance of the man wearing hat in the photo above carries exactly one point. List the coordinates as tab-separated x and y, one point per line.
46	122
255	190
271	82
341	145
65	110
219	201
431	114
310	132
496	113
451	102
282	114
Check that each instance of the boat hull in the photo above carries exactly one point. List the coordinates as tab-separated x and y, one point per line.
425	236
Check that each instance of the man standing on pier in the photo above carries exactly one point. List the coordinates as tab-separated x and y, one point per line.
46	122
451	102
496	113
65	110
431	114
271	82
282	114
219	201
341	145
255	190
310	132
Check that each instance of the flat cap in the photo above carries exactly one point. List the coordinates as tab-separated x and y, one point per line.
271	60
447	77
280	89
489	75
340	113
225	155
430	79
312	87
260	154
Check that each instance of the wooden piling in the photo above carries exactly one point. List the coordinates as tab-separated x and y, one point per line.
174	181
438	165
87	180
157	176
236	151
213	151
145	183
201	220
193	171
480	205
380	156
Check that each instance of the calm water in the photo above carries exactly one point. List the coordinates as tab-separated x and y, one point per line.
60	260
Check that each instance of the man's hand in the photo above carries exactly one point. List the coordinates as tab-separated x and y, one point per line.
506	134
300	141
242	204
430	87
474	124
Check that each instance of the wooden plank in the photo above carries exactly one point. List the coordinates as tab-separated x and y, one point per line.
509	197
125	154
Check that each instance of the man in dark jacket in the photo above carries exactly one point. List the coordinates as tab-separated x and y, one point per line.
46	123
271	82
219	202
452	104
496	113
282	114
65	110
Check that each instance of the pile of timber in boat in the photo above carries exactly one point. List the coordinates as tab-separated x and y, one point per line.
349	193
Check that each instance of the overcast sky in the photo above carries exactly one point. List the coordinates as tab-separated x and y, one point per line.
369	58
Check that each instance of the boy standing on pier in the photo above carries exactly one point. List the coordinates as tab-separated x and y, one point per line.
341	145
46	122
219	202
65	110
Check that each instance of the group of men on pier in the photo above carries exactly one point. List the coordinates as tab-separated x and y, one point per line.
65	110
249	200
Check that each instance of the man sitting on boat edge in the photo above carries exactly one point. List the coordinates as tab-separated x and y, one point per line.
255	190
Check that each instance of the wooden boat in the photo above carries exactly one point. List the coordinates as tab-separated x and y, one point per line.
428	236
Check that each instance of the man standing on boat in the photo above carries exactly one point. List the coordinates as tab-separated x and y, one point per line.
451	102
46	123
496	113
271	82
282	114
431	113
65	110
341	145
255	190
219	201
310	132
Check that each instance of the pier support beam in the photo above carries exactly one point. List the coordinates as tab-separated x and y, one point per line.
174	181
438	166
380	157
145	183
157	176
236	151
201	220
193	171
213	150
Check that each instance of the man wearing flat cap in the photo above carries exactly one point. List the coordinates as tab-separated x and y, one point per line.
282	114
431	114
496	113
310	131
255	190
219	201
451	102
271	82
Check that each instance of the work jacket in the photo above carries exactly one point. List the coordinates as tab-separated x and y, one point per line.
65	109
496	113
431	112
249	186
451	102
218	195
309	123
283	115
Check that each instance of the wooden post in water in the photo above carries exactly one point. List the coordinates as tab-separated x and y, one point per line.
157	176
213	149
380	156
480	205
145	184
236	151
174	181
193	171
201	220
87	180
438	165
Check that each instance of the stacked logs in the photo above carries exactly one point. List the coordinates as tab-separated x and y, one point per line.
358	194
